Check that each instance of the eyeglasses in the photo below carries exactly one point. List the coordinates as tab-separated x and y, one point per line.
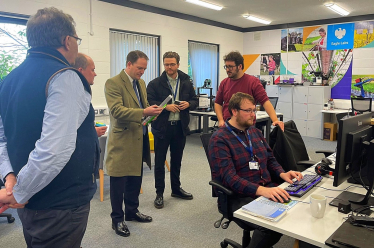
249	111
79	40
171	65
230	67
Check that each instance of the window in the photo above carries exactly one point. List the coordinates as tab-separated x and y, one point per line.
13	43
204	59
123	42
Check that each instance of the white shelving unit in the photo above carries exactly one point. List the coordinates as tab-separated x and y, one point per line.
303	105
285	96
308	103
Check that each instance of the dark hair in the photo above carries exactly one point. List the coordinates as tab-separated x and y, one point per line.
236	57
81	61
171	54
48	28
322	30
133	56
237	99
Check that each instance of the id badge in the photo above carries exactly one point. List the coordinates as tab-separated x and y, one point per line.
253	165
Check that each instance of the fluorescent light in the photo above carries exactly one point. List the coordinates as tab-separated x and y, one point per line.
205	4
256	19
337	9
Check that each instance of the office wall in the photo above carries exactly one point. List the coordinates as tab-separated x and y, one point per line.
269	42
174	32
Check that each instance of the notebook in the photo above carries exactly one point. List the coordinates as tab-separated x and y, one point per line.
264	208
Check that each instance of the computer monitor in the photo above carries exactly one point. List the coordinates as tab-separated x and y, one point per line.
355	151
350	132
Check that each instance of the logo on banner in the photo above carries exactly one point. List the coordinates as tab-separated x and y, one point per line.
340	33
340	36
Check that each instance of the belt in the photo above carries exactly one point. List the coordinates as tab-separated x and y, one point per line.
173	123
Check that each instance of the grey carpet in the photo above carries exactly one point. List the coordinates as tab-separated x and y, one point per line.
181	223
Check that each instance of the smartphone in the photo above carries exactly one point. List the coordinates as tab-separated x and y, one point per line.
177	102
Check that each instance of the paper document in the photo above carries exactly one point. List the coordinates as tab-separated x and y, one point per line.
162	105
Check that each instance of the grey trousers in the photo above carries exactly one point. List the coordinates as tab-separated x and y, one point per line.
54	228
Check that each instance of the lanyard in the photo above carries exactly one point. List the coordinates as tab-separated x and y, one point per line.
250	148
176	88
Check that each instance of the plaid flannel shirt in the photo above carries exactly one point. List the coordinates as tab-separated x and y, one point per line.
229	161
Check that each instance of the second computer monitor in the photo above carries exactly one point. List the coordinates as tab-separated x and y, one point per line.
352	132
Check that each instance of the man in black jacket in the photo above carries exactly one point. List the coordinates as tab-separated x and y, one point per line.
171	126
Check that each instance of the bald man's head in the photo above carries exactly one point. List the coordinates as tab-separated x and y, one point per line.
86	66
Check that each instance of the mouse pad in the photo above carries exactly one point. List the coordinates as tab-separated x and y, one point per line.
351	236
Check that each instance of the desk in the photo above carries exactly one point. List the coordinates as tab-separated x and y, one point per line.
299	223
261	116
327	116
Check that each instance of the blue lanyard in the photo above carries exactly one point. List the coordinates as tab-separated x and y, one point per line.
176	88
250	148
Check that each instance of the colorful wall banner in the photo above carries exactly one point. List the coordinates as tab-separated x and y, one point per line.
362	86
270	64
315	38
295	40
340	36
341	90
249	59
364	34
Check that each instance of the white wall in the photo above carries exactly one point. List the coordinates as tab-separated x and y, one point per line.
174	32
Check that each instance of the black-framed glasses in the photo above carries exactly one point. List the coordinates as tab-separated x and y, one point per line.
79	40
249	111
171	65
230	67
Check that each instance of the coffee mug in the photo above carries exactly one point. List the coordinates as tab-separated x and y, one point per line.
318	205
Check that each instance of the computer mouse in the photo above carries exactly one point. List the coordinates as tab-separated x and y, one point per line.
284	200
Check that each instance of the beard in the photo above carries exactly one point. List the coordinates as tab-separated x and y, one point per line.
245	122
233	73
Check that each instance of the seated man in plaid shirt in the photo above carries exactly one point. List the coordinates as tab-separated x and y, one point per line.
241	159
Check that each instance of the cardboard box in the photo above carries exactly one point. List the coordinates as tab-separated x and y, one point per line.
329	131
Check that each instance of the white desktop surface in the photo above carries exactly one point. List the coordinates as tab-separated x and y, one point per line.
335	111
299	222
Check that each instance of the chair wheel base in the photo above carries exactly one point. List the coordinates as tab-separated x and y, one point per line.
11	219
223	245
230	242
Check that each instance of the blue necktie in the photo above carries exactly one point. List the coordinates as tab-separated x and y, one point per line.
134	85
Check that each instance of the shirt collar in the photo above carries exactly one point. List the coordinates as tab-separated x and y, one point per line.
131	80
172	79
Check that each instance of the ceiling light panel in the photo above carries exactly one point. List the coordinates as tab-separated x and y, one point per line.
205	4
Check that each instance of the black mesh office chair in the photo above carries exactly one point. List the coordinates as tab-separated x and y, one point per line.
225	196
361	105
289	148
273	101
9	217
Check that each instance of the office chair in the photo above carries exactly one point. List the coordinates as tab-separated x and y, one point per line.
289	148
273	101
225	196
9	217
361	105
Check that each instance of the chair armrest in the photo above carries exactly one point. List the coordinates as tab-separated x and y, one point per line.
325	152
221	187
213	118
307	163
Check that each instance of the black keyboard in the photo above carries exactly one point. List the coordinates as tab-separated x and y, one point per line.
299	188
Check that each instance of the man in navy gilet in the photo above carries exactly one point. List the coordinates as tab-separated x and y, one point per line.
48	143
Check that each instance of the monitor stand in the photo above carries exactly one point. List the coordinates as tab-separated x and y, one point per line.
353	198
